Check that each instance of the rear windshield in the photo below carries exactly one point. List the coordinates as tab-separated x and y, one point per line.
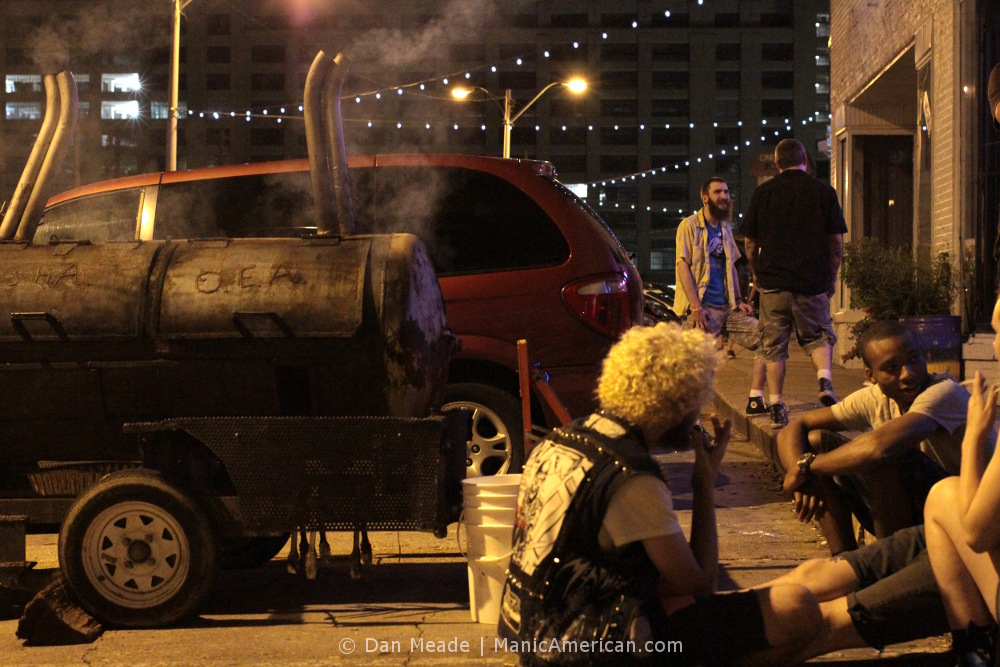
470	221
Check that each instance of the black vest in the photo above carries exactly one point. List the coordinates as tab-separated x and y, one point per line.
560	584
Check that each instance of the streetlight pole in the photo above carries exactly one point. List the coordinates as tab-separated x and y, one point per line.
575	85
175	66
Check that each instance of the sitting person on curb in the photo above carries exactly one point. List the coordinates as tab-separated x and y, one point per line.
599	556
884	593
912	424
963	526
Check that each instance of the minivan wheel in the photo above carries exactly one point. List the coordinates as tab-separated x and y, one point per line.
137	552
497	444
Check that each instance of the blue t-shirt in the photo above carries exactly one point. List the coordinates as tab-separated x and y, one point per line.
715	292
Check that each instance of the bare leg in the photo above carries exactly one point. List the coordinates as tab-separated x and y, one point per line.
759	375
356	555
366	547
836	633
967	579
826	578
822	358
791	621
775	377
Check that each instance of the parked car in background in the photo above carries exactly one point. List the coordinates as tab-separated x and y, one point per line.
659	303
518	256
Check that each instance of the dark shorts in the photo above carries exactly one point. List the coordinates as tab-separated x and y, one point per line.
809	315
897	599
715	630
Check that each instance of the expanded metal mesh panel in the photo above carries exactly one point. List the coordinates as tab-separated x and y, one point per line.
331	473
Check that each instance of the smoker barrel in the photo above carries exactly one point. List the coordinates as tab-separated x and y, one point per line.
255	327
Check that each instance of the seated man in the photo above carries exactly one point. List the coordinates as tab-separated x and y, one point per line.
598	552
912	422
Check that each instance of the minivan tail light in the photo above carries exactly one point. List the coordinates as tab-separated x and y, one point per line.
601	302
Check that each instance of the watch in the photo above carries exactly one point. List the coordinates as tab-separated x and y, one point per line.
805	463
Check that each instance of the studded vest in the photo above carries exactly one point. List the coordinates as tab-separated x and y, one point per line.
560	584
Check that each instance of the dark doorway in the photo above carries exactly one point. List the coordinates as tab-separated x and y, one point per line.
888	189
987	267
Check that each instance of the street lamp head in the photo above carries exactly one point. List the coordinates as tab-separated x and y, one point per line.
460	93
576	85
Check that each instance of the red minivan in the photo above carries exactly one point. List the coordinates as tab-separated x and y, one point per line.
518	256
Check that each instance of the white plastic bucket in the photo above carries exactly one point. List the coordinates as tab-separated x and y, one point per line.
489	541
490	504
486	577
492	485
490	516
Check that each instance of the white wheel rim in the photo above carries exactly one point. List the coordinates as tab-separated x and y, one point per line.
136	555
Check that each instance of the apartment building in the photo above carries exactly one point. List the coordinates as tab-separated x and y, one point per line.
678	90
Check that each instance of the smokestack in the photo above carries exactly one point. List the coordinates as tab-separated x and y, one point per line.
331	179
319	168
12	218
336	146
53	157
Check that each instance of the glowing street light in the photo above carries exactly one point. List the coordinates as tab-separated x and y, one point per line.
575	86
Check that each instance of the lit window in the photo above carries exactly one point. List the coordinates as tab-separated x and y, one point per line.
119	83
119	109
579	189
23	83
23	110
656	258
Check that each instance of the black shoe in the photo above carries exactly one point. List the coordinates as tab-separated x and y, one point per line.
779	415
826	394
756	406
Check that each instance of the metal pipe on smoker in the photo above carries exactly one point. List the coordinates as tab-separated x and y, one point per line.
53	157
335	145
319	167
12	218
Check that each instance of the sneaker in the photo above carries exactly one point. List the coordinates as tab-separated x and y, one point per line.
756	406
826	394
779	415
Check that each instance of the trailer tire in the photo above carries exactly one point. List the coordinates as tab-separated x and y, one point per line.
497	444
137	552
249	553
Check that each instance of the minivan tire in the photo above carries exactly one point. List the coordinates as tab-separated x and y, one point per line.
497	444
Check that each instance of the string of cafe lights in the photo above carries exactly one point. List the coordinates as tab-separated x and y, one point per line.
423	88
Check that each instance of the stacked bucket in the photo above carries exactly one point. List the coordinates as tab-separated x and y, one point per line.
489	507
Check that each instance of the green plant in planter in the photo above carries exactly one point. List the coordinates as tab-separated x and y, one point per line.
890	283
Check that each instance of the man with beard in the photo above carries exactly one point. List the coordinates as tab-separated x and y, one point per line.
794	231
709	295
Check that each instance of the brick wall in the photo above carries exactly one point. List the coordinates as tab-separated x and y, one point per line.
865	37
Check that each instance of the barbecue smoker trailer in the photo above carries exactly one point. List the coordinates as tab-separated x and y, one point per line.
181	405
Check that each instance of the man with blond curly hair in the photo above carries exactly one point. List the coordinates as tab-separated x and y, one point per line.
600	566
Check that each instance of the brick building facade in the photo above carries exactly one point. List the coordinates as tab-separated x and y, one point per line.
914	155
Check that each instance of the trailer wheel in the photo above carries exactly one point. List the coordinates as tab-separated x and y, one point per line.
251	552
497	444
137	552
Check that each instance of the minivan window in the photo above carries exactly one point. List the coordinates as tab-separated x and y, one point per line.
470	221
255	206
108	216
